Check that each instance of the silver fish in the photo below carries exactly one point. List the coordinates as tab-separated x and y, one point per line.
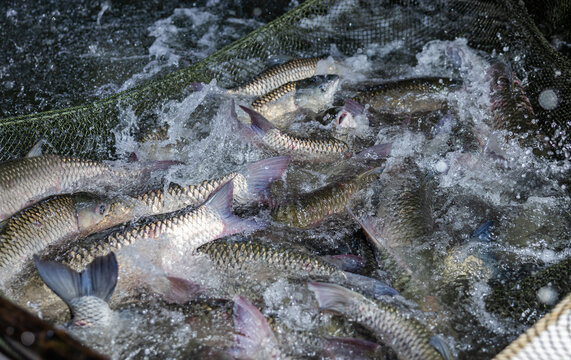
406	336
53	221
184	230
28	180
276	76
311	95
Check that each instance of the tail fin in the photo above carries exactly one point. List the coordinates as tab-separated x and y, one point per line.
220	201
369	286
98	279
259	124
375	152
255	335
261	174
333	297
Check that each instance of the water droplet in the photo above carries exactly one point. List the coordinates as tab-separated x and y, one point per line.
548	99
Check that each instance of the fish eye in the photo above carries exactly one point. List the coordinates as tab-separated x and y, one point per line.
101	209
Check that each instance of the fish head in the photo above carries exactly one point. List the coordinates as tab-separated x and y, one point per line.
99	214
317	93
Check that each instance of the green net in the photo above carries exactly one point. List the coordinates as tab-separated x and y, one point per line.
311	29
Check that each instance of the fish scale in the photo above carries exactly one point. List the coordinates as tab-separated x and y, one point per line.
243	256
30	179
274	77
36	227
185	231
179	196
317	149
310	208
406	336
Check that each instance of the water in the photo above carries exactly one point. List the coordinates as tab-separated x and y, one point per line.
526	196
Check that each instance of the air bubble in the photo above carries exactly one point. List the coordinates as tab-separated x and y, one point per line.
548	99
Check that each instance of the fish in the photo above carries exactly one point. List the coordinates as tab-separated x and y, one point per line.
406	336
250	184
404	213
254	257
326	149
276	76
256	339
183	230
425	94
25	181
308	209
312	94
86	293
301	149
512	109
408	95
56	220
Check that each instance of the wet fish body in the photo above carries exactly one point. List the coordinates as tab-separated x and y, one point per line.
410	95
407	337
28	180
276	76
298	148
312	94
183	230
404	213
308	209
251	257
52	221
249	185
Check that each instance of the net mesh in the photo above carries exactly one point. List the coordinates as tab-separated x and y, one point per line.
311	29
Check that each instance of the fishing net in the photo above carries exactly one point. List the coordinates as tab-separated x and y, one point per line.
500	28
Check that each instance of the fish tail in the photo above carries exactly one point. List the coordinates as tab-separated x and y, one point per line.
333	297
261	174
369	286
259	124
221	202
254	332
375	152
98	279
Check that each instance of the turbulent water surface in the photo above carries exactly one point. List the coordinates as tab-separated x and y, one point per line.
452	162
